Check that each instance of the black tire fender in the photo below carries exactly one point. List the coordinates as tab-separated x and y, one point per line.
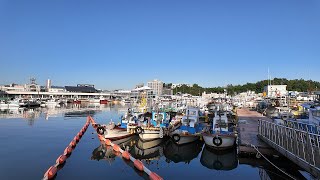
217	141
101	130
139	130
176	137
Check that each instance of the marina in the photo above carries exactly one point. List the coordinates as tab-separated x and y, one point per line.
160	90
159	155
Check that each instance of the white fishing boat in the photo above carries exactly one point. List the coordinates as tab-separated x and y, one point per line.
113	132
12	104
157	127
3	105
153	128
222	135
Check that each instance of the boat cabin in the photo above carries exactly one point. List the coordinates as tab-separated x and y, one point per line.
160	119
192	117
220	123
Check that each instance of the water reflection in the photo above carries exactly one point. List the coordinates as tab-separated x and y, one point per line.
219	160
66	111
148	150
104	152
182	153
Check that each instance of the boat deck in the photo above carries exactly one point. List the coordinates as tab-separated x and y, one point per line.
248	131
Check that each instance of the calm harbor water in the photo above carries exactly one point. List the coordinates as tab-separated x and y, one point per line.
31	140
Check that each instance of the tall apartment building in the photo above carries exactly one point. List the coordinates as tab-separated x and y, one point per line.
156	86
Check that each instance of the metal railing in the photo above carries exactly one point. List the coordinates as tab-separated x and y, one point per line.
312	128
295	142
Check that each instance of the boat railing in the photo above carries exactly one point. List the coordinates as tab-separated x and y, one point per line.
301	146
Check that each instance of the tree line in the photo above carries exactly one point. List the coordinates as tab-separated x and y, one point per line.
299	85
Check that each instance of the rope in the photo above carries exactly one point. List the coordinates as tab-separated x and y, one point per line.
271	162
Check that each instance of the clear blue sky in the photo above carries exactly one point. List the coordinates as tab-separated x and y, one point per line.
120	43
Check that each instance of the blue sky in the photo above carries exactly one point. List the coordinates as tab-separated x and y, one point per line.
119	43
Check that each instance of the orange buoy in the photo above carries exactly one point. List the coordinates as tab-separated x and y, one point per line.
61	159
108	142
51	172
68	150
77	138
116	148
79	134
73	143
154	176
138	164
126	155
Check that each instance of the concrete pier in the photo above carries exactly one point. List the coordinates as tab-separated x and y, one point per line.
248	134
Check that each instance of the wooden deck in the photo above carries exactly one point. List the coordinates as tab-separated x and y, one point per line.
248	131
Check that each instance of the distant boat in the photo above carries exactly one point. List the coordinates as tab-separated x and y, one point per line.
104	101
29	104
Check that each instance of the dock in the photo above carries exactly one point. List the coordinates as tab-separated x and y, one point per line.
248	134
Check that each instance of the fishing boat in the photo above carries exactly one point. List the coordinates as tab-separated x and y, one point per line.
104	101
114	132
191	127
156	127
222	135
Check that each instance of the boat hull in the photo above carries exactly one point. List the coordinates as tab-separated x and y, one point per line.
185	139
148	135
219	141
116	134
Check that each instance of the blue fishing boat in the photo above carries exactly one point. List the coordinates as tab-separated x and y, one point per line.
192	125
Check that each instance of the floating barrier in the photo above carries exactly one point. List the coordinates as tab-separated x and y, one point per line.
125	154
61	160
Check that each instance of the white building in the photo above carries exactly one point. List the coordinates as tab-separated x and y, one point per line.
156	86
179	85
275	90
